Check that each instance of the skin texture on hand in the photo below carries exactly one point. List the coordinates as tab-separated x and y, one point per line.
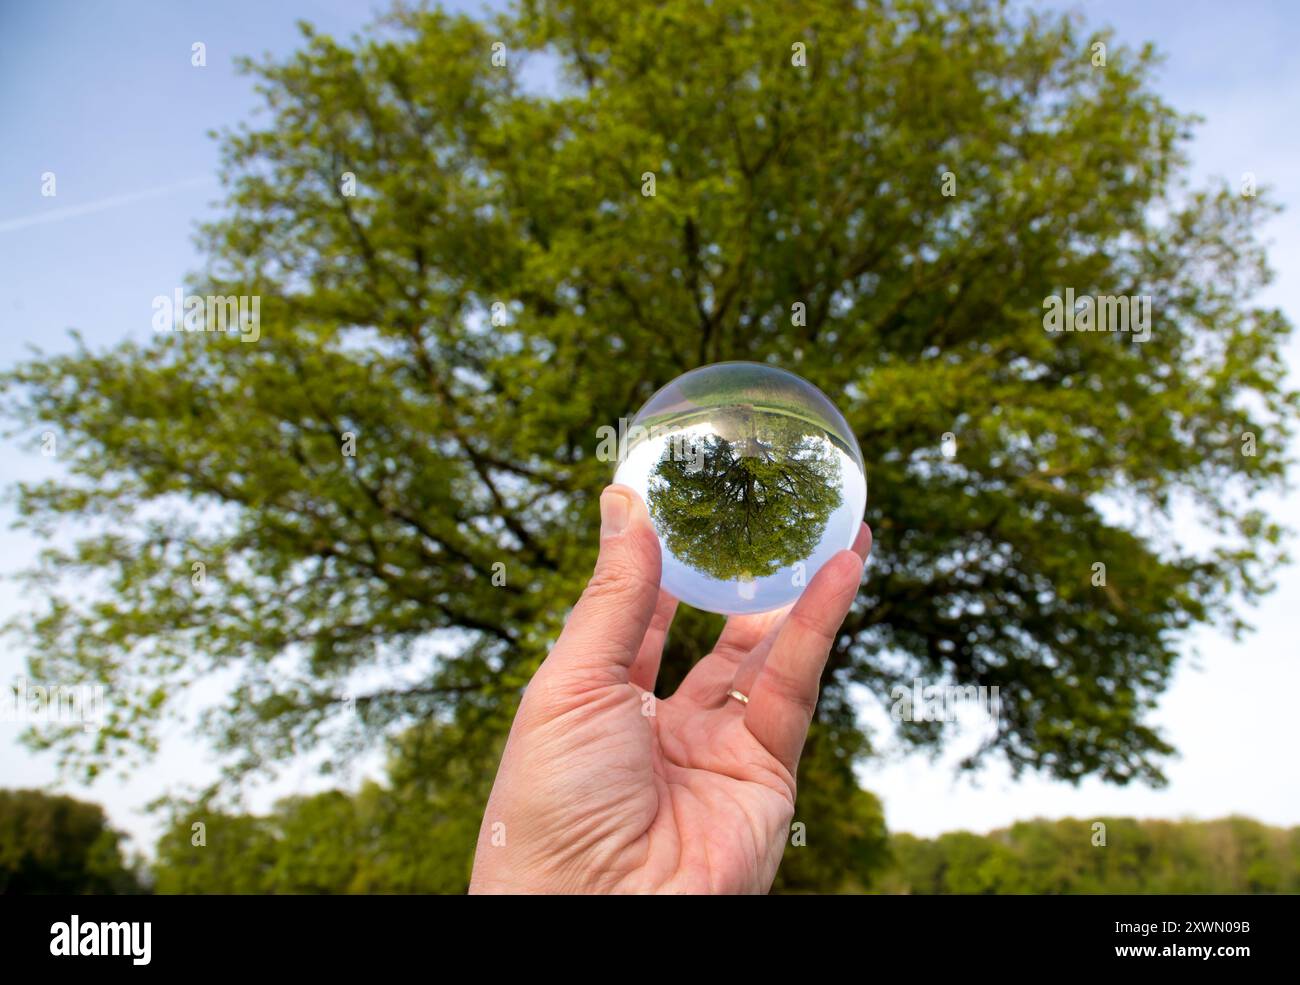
602	788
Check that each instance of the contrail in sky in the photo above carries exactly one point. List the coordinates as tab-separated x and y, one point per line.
112	202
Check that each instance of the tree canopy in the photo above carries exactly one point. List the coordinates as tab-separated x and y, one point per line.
390	496
744	508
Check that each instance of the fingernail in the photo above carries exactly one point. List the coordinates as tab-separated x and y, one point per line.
614	511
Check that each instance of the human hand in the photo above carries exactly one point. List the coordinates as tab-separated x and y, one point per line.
602	788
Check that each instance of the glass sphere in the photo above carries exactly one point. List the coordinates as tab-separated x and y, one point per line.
753	481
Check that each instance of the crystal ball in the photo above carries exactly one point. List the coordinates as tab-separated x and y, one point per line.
753	481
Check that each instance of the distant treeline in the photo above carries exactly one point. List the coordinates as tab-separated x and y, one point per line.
60	845
1100	855
370	842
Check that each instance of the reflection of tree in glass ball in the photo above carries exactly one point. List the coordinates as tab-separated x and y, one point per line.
753	481
743	509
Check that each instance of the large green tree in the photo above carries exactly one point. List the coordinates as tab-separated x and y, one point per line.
463	274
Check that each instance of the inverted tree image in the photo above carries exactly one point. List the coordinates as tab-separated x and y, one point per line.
746	507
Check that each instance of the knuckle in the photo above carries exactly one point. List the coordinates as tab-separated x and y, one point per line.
814	628
619	576
791	690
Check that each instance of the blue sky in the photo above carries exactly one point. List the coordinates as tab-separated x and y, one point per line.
104	96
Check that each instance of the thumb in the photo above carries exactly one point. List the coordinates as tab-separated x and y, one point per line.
610	620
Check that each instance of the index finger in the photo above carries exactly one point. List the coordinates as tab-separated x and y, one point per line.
784	697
